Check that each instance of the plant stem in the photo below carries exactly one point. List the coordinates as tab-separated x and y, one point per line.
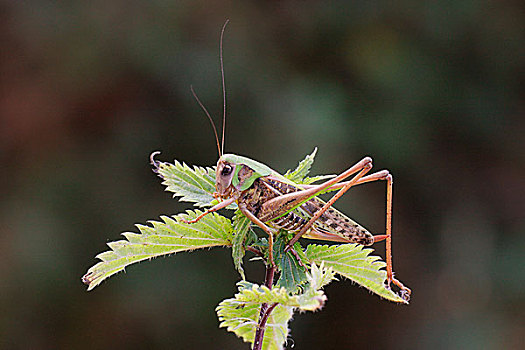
261	327
270	272
254	251
265	310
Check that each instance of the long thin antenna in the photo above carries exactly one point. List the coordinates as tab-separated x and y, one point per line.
209	117
223	87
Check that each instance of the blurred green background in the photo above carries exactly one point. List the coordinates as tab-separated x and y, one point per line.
433	91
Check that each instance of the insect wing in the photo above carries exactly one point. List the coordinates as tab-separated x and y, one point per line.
334	225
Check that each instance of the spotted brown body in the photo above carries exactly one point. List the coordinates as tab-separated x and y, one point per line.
332	225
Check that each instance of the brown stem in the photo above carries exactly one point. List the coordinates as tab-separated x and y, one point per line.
254	251
265	310
261	327
270	272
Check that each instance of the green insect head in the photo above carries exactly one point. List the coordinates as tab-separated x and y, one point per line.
237	173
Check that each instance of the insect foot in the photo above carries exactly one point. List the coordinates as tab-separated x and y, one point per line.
404	292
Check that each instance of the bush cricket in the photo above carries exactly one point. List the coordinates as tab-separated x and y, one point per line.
273	202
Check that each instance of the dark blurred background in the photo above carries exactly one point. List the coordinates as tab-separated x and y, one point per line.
434	91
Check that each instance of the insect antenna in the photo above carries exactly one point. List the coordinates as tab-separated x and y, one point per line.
223	86
220	145
209	118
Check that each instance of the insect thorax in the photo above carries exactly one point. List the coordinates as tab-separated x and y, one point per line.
255	197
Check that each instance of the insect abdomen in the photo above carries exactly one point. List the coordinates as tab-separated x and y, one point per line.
331	225
333	222
339	230
290	222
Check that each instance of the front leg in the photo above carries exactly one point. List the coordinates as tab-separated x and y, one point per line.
263	226
213	209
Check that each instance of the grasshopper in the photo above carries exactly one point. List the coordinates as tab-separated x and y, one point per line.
273	202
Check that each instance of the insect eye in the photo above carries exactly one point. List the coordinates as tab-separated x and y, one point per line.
226	170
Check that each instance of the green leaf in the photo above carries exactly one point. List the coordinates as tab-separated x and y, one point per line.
161	238
309	180
241	227
195	184
240	314
241	318
293	275
313	298
262	294
320	276
353	261
302	169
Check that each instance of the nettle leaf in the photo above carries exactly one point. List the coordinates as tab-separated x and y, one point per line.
302	169
353	261
195	184
313	298
309	180
241	318
299	175
161	238
296	288
293	274
240	314
241	228
320	276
